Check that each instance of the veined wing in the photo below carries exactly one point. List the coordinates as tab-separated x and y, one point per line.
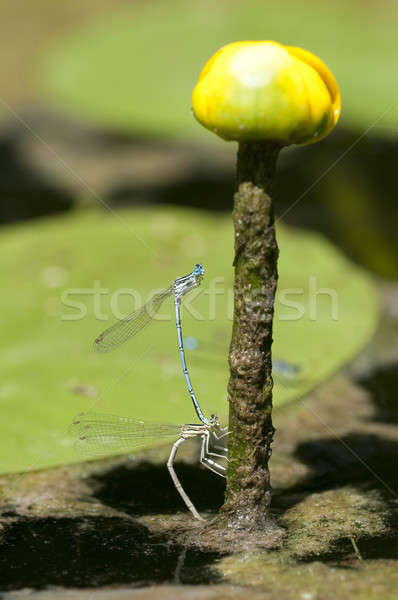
128	327
100	434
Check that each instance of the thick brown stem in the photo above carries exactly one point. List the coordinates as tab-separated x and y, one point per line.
248	493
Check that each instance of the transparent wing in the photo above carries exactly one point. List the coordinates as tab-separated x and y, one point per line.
100	434
121	331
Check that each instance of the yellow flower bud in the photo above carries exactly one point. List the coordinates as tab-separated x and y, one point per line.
262	90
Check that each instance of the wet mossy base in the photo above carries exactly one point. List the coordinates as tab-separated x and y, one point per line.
118	524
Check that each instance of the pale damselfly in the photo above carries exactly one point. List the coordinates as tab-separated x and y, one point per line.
99	434
128	327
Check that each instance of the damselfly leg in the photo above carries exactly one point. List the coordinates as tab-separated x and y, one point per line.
100	434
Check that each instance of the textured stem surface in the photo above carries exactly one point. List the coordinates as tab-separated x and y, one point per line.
248	493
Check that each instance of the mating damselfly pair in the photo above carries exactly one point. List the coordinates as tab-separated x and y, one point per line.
99	434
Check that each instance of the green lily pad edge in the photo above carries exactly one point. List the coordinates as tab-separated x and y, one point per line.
326	311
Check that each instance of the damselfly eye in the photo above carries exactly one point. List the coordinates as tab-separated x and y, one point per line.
198	269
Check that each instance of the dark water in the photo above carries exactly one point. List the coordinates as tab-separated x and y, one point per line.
147	489
382	383
98	551
25	193
382	547
93	552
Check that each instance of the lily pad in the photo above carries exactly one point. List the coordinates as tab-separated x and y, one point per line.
135	71
67	276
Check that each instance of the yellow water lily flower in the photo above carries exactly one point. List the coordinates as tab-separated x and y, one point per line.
263	90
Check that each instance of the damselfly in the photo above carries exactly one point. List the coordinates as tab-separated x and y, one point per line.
99	434
128	327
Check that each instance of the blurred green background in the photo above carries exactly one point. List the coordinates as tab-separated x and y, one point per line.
152	52
106	177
